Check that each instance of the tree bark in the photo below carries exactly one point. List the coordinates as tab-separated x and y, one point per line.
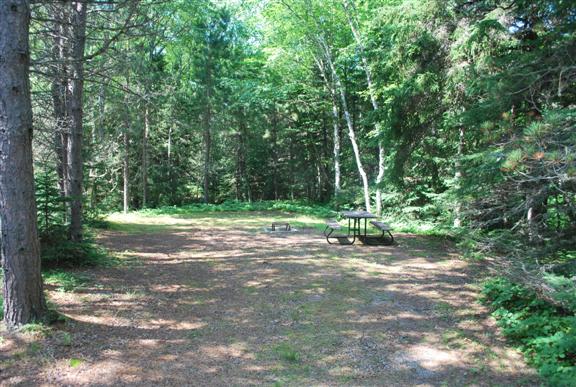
335	126
381	151
145	156
58	90
20	249
207	138
75	114
126	172
458	178
207	121
170	172
348	118
242	181
274	140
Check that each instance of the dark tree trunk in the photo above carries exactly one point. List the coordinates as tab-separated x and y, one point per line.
59	79
126	172
145	157
20	248
126	156
75	114
207	137
242	182
274	139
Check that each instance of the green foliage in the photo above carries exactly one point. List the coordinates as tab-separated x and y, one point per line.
74	362
287	206
50	204
545	334
58	251
65	281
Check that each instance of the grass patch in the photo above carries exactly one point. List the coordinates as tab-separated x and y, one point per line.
74	362
65	281
36	328
287	352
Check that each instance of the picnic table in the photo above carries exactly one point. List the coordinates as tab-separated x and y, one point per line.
355	222
355	229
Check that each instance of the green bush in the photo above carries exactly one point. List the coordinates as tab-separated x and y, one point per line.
58	251
545	333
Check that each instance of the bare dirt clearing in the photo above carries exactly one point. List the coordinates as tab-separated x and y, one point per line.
213	300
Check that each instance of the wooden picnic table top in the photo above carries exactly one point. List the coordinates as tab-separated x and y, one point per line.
358	215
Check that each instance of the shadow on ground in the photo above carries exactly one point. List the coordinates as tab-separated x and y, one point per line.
227	305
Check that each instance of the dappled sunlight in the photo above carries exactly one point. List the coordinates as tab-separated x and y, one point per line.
241	306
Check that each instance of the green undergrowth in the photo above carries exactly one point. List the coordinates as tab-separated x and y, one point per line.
234	206
546	334
421	227
59	252
316	211
65	281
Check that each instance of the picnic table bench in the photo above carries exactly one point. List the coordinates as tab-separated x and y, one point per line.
385	228
331	226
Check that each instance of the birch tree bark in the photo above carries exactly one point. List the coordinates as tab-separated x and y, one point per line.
353	22
351	132
335	126
20	249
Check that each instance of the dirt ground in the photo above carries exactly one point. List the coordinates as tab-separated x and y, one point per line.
215	300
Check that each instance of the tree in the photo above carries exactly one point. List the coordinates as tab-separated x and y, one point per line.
20	250
354	26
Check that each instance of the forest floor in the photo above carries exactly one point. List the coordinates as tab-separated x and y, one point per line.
212	299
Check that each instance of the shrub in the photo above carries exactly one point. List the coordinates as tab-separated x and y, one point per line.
546	334
58	251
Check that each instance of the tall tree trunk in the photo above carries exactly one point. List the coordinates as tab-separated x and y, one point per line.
207	121
59	81
242	182
274	139
352	21
126	171
20	249
351	132
101	113
458	178
207	138
170	172
335	125
145	156
75	113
